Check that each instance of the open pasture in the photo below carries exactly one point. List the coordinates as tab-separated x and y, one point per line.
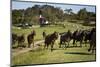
59	55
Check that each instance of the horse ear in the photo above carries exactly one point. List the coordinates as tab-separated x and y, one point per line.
55	31
33	30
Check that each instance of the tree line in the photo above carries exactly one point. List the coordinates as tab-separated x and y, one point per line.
51	13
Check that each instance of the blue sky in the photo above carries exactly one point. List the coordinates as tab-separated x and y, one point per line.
75	8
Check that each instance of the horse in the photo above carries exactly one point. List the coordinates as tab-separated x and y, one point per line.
14	38
21	40
50	40
78	36
30	38
92	40
87	36
65	37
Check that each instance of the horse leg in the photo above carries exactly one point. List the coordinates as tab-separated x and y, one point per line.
90	46
65	45
47	46
60	44
93	48
44	46
73	42
18	44
33	42
52	47
68	43
81	43
85	43
13	42
76	43
29	44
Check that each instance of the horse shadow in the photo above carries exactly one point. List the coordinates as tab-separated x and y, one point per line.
78	53
65	48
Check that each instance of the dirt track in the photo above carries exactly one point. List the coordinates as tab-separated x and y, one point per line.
23	50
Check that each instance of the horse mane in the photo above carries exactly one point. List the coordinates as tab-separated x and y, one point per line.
92	31
51	36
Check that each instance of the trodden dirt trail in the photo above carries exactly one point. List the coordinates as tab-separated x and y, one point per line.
23	50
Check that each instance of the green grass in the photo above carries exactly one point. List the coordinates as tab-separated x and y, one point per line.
59	55
49	29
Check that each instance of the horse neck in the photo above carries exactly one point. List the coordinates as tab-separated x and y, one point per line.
69	33
53	35
75	32
31	35
91	33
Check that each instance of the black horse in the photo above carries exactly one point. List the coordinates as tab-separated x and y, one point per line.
65	37
50	40
78	37
30	38
87	36
92	40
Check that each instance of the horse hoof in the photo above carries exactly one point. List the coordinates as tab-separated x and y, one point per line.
88	50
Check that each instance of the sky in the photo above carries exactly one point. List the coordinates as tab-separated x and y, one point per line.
75	8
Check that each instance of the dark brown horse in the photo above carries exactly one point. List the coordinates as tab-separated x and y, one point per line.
21	40
30	38
14	38
50	40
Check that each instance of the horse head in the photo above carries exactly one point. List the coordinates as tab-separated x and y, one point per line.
33	33
56	35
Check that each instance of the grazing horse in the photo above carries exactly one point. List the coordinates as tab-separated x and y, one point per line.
21	40
78	36
14	38
50	39
92	40
30	38
66	37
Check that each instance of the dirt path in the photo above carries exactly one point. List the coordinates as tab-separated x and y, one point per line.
23	50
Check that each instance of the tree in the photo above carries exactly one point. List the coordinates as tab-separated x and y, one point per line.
82	14
68	11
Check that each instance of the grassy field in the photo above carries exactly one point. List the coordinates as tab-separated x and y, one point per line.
59	55
50	29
